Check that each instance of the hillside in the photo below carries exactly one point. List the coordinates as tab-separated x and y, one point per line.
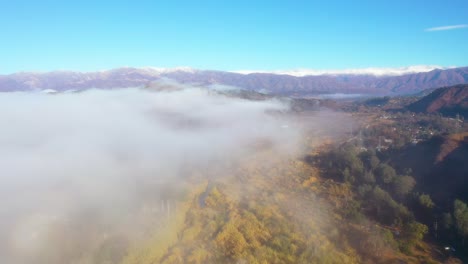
265	82
405	169
440	166
447	100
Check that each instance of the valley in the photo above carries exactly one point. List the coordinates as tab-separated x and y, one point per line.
316	181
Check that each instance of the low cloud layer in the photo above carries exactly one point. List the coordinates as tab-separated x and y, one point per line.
75	163
360	71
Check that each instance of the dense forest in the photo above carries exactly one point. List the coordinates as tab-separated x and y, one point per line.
405	171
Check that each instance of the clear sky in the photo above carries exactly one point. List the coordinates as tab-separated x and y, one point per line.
231	35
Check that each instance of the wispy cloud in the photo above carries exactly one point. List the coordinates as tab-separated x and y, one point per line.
447	27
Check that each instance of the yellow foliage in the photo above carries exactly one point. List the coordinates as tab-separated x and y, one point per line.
198	256
191	233
230	241
310	181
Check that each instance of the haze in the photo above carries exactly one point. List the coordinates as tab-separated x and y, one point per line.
77	167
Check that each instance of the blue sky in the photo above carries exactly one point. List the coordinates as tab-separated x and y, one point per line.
231	35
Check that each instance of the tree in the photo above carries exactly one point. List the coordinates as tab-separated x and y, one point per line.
231	241
402	185
370	160
346	158
460	213
386	173
447	220
383	204
368	177
364	190
347	177
425	201
374	162
413	233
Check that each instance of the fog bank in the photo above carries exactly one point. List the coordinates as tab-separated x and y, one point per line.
77	167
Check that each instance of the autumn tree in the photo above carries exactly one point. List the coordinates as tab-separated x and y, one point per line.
231	242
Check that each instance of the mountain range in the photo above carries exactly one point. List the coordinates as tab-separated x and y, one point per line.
281	84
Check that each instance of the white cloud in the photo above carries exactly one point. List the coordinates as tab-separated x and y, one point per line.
447	27
361	71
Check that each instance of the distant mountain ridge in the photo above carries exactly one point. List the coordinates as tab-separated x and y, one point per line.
265	82
359	71
447	100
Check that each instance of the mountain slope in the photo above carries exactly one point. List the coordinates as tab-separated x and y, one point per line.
448	100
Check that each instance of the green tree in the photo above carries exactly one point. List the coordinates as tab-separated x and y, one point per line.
374	162
370	159
347	158
402	185
347	177
385	173
460	213
426	201
447	220
413	232
368	177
